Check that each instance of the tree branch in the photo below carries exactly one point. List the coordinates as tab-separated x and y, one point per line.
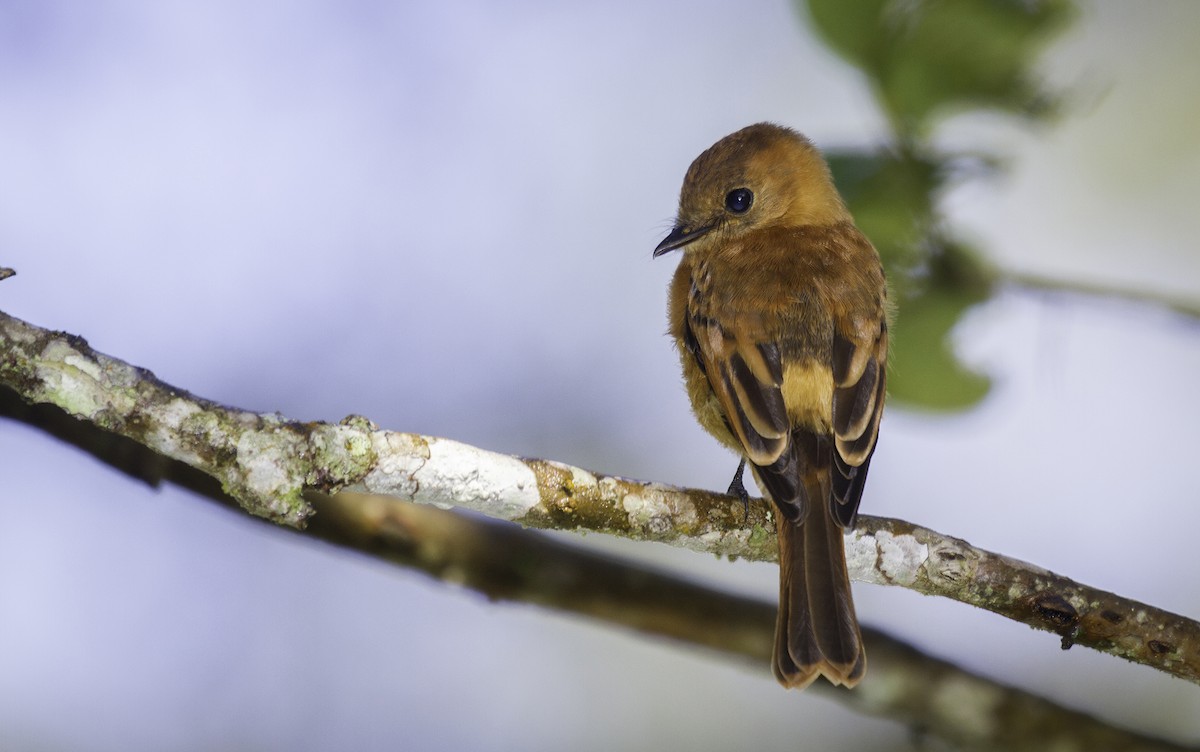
266	462
278	469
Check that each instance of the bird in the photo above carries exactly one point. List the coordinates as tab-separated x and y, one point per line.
779	311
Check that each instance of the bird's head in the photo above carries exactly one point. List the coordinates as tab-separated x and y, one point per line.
762	176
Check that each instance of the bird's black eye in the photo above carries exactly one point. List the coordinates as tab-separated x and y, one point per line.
739	200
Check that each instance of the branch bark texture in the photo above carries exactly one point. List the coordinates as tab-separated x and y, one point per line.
267	463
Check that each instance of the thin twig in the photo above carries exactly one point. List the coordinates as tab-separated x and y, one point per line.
1035	282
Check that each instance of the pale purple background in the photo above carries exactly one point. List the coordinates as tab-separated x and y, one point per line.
441	216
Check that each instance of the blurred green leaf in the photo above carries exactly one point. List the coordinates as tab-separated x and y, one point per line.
926	59
949	55
954	266
853	28
890	196
934	279
930	58
924	370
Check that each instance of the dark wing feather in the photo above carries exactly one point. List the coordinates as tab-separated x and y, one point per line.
783	481
860	384
746	378
748	384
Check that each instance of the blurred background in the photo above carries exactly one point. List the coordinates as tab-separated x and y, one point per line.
440	215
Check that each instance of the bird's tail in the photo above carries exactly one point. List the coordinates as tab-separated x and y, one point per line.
816	633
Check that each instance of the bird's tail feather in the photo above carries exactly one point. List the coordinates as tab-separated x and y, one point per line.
816	633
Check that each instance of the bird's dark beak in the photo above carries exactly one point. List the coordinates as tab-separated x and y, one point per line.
679	237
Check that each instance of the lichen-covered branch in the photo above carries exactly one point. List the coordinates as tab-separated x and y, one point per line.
505	562
936	564
267	463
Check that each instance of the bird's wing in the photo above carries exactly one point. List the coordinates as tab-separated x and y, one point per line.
859	386
746	376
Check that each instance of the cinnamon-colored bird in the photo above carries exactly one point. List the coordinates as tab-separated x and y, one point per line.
779	310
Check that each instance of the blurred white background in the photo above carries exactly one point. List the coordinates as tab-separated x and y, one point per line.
441	216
